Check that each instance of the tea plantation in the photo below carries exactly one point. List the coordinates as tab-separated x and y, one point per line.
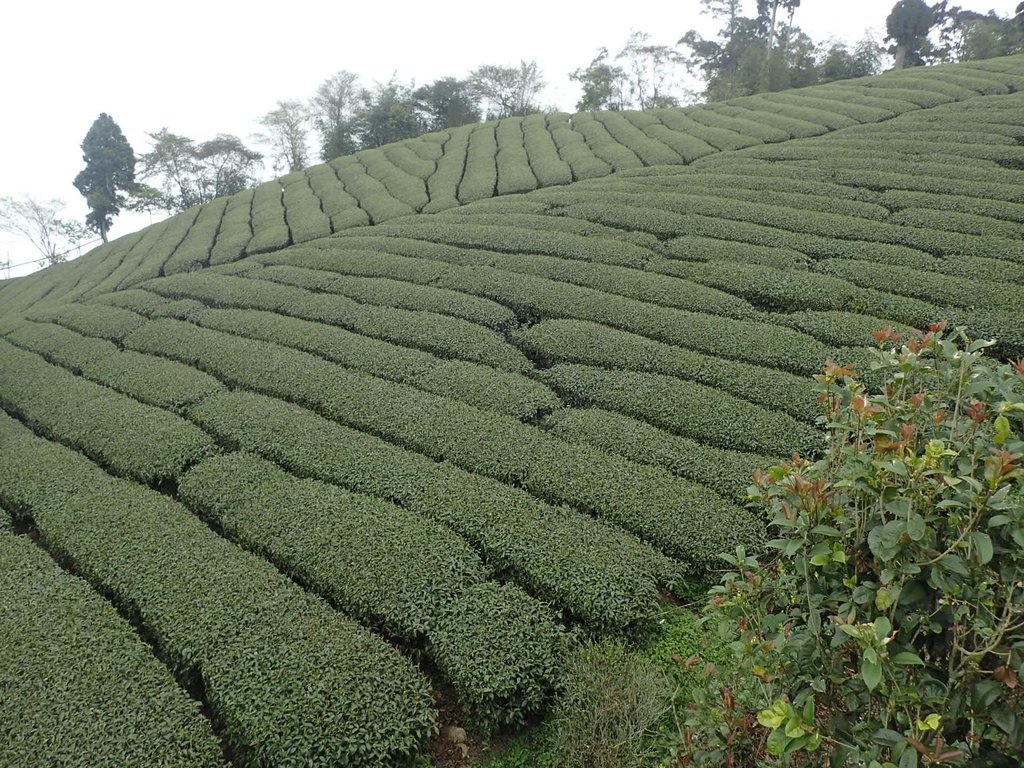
277	471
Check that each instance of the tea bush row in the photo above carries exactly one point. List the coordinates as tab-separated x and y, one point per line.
604	146
393	570
270	230
340	207
438	334
134	440
547	166
576	341
480	177
443	184
684	408
289	681
193	252
80	688
670	513
640	442
409	161
477	385
541	298
591	572
573	149
391	293
306	219
403	186
151	380
372	195
235	229
513	163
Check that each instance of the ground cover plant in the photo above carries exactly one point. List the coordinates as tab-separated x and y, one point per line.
381	450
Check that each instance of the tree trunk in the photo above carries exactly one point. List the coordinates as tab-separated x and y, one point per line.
900	57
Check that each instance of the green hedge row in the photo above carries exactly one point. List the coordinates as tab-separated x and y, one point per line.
105	321
603	145
393	570
912	249
936	289
649	150
443	184
57	344
892	176
478	385
695	248
722	139
438	334
900	200
540	298
558	240
80	688
685	408
780	104
288	681
661	289
151	380
235	229
270	230
405	187
172	232
405	158
96	277
575	341
134	440
716	189
513	163
547	166
194	251
843	329
762	133
480	177
795	290
594	573
728	472
373	196
573	149
391	293
688	147
428	146
761	120
306	218
832	101
956	221
341	208
671	514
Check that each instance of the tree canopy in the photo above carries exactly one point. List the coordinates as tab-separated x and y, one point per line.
187	173
109	174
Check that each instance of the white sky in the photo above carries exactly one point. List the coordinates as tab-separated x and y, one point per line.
214	66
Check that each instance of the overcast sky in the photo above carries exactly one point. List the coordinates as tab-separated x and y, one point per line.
205	67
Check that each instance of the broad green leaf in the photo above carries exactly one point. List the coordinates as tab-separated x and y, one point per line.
882	627
794	727
1002	432
777	742
906	658
983	543
915	526
872	673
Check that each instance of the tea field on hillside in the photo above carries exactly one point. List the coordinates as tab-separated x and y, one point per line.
279	469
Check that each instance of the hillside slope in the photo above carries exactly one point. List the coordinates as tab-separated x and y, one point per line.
457	433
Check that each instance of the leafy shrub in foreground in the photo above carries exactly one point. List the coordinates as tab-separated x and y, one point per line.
899	559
